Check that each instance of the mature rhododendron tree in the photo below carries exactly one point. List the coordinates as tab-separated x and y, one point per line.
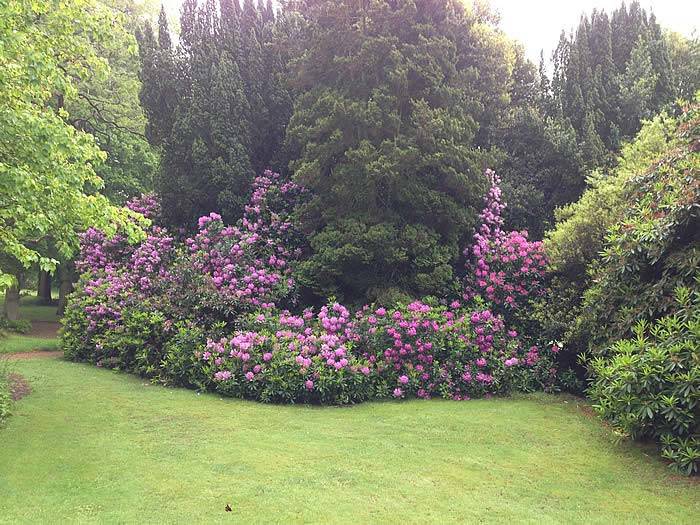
504	267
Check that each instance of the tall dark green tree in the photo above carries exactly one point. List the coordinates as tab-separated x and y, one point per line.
539	160
217	105
384	134
206	166
607	76
685	58
158	77
602	68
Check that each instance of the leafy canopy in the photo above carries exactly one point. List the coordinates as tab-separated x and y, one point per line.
47	167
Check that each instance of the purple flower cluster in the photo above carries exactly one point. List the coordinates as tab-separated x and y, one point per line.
116	274
147	205
504	267
249	262
420	350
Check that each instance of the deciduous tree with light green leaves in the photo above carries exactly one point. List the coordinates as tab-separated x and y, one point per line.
48	185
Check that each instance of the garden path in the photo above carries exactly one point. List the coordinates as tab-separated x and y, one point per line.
44	329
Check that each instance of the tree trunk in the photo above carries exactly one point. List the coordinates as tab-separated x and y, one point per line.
44	290
11	309
65	273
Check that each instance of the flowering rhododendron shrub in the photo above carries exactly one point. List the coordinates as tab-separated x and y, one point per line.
117	277
503	267
218	274
209	312
284	357
249	261
425	349
416	350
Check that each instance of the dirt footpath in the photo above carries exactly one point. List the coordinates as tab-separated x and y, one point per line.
44	329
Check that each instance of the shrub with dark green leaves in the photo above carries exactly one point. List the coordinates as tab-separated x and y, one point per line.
654	248
618	254
649	387
20	326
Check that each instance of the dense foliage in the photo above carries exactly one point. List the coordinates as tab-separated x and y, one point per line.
387	112
655	248
48	167
107	105
619	253
579	237
383	135
379	116
215	105
608	76
650	384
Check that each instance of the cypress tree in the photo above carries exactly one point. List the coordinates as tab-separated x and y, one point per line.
665	90
602	76
218	105
158	82
231	169
253	71
637	88
150	90
164	40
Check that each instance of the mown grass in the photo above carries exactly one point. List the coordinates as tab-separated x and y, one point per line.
12	343
89	445
32	310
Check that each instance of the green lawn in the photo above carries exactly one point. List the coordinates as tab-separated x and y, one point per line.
31	309
90	445
24	343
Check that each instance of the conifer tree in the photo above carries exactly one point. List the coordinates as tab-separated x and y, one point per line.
384	134
217	105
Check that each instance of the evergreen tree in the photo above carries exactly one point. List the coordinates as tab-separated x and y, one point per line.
231	169
608	75
383	133
206	166
217	105
540	165
665	89
637	88
253	70
685	57
158	81
601	68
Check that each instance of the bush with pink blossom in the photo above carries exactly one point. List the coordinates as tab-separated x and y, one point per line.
216	275
208	312
416	350
506	268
